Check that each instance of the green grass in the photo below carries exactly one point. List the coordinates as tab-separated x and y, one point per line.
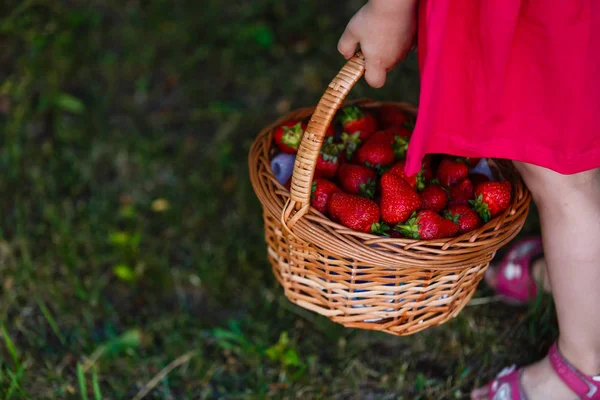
132	259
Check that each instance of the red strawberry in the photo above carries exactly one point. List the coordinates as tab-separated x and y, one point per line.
328	161
418	180
434	197
322	190
288	136
491	198
472	161
390	115
398	199
462	192
466	218
451	171
478	178
354	212
398	169
357	179
330	130
356	120
376	152
396	131
426	225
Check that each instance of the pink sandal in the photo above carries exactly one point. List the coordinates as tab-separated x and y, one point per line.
507	385
515	284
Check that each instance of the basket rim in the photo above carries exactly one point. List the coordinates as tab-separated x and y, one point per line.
315	216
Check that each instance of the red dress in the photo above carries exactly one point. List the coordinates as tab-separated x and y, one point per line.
513	79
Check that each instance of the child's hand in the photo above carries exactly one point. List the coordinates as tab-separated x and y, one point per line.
385	30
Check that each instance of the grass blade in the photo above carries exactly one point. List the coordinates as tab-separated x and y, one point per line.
82	384
96	385
51	321
14	384
10	346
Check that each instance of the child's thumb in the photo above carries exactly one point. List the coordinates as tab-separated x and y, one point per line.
347	44
375	74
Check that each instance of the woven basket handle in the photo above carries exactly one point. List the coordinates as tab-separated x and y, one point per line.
310	146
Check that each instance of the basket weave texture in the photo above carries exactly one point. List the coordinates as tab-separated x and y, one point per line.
361	280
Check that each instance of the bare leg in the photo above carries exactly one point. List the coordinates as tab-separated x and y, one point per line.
569	207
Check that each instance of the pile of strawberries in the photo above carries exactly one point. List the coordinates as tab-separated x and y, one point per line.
360	182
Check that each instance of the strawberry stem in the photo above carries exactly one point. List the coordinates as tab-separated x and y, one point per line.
368	189
350	114
400	146
380	228
410	229
452	217
292	135
481	208
351	143
330	150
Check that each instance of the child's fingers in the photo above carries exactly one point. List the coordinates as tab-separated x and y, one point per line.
375	73
347	44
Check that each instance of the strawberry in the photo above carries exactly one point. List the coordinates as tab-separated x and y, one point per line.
376	152
356	120
357	179
462	192
322	190
330	131
426	225
416	181
396	131
451	171
288	135
466	218
478	178
354	212
328	161
398	199
390	116
472	162
491	198
434	197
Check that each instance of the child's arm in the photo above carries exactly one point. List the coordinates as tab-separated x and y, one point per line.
385	30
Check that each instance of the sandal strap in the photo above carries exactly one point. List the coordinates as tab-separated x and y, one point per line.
514	274
584	386
507	385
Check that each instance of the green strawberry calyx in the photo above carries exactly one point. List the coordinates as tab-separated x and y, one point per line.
465	160
400	146
481	207
380	169
351	114
330	150
452	217
410	228
367	189
421	183
351	143
313	190
292	135
380	228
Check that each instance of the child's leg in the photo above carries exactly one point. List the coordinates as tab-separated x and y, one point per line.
569	207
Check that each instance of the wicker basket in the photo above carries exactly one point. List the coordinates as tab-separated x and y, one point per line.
398	286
